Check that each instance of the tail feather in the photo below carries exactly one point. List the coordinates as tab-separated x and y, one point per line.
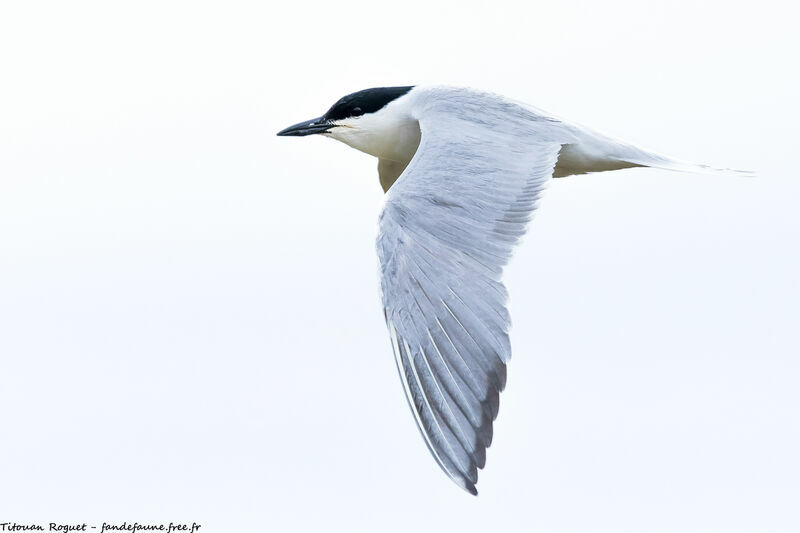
598	154
644	158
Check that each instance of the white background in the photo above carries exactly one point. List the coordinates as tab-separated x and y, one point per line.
190	326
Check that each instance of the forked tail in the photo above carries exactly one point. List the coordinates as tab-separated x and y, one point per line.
596	153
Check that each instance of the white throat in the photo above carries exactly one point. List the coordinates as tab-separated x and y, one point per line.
390	133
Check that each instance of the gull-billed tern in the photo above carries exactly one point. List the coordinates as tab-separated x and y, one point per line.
463	171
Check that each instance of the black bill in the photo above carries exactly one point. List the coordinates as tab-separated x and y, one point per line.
309	127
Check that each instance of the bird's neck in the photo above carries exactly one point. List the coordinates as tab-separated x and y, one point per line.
390	136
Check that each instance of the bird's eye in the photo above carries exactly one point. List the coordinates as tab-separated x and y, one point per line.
356	112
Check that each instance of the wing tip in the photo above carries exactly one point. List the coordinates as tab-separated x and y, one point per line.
468	486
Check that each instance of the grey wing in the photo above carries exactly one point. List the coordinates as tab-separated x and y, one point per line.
446	231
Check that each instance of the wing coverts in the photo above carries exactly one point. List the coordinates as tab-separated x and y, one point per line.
447	230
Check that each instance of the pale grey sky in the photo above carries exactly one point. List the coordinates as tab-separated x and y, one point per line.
190	326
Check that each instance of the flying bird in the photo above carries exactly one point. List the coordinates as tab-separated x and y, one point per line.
463	171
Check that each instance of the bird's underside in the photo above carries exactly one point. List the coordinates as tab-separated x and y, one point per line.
572	160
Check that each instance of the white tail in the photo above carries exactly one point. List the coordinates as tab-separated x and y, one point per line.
595	152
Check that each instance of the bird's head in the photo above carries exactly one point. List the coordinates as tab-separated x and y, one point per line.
368	120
